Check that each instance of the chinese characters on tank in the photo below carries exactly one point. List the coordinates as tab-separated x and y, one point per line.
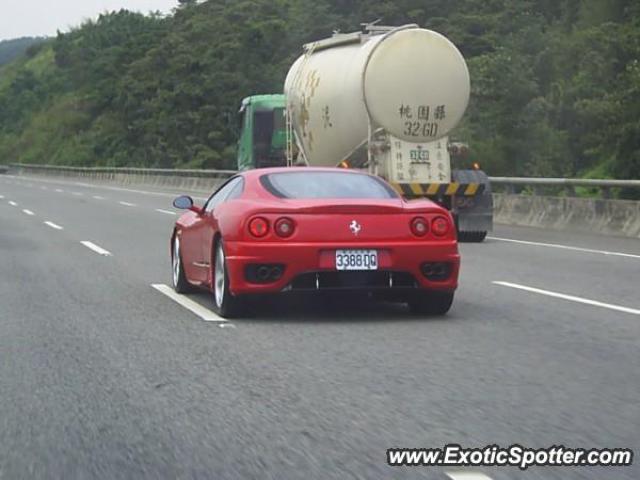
421	120
420	162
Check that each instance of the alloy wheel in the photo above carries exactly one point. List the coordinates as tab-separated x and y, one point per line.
219	279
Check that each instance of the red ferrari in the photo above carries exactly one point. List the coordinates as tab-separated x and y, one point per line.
277	230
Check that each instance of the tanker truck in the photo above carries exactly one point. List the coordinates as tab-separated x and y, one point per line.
382	99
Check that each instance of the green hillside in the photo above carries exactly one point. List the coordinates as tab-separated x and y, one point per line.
12	49
556	84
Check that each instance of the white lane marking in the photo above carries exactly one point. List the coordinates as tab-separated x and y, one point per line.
98	197
165	211
467	476
53	225
143	192
12	203
571	298
119	189
77	194
1	197
127	204
28	212
564	247
59	190
204	313
96	248
43	188
99	250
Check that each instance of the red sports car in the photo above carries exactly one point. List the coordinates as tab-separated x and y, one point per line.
279	230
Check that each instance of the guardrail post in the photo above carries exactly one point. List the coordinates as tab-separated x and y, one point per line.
606	192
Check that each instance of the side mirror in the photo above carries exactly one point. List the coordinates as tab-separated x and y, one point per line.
183	202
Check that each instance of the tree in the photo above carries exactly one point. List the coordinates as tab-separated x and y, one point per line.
555	84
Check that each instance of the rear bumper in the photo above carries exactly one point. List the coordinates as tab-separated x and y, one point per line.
302	259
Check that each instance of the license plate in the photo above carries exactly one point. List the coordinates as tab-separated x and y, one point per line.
356	259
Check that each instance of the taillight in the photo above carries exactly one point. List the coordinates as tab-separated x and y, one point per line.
284	227
419	227
259	227
440	226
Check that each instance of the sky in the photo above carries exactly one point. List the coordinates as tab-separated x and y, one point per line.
32	18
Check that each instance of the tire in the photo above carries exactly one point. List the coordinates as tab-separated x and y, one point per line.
224	303
180	282
471	237
431	303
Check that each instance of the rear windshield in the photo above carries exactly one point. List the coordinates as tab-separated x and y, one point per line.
326	185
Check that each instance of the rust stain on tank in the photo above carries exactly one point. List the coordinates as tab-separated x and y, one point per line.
312	82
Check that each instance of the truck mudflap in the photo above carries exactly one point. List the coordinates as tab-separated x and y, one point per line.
473	214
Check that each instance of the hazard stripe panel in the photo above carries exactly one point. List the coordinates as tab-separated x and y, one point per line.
438	189
472	189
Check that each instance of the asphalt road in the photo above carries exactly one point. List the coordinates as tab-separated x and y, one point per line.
103	376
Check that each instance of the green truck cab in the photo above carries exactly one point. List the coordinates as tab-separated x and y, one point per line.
263	134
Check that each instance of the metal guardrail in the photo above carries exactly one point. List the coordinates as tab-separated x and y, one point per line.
510	184
567	184
575	182
128	170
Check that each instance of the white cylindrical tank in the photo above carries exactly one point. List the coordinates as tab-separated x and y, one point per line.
412	82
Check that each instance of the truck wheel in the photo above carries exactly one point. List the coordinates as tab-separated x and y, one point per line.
431	303
225	304
471	237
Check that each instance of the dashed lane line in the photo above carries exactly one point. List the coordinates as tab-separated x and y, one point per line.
12	203
202	312
53	225
564	247
96	248
570	298
98	197
28	212
168	212
467	476
118	189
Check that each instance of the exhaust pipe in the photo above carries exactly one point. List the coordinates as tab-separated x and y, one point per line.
263	273
435	271
427	269
276	273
